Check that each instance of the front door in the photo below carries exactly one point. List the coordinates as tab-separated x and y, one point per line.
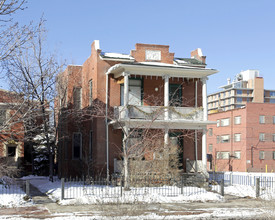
134	92
176	145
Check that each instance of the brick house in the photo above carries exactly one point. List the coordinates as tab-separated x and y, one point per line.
243	139
124	84
11	134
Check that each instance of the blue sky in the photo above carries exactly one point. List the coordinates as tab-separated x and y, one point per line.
235	35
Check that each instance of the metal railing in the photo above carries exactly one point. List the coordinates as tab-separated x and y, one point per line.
139	186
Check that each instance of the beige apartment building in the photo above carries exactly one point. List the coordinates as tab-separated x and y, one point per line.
247	87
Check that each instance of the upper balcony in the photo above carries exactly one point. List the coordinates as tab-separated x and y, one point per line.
159	117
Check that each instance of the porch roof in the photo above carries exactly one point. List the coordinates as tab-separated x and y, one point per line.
161	124
159	69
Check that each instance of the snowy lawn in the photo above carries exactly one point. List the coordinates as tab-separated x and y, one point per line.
13	196
77	194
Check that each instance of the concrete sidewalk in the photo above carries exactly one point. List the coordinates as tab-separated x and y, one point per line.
45	209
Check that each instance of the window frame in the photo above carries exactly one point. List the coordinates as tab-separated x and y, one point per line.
262	119
236	119
262	137
261	155
236	139
77	106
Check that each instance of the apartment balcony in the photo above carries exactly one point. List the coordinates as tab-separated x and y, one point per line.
159	117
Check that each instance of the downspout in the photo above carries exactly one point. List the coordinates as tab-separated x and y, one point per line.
107	125
196	132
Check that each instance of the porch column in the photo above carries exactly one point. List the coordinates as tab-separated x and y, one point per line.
204	105
126	93
166	105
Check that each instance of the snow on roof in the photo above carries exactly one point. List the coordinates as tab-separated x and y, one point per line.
117	56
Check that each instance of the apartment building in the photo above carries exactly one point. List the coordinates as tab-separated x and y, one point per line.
243	139
247	87
130	89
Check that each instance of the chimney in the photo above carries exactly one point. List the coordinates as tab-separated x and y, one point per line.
228	81
197	54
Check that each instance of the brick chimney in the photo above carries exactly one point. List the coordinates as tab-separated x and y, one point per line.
197	54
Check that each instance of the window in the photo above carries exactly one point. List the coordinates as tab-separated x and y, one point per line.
224	122
210	147
222	155
262	137
11	151
239	92
237	137
273	137
91	146
272	101
66	149
210	131
77	145
225	138
237	120
237	154
273	155
218	139
273	119
2	117
175	94
262	119
272	93
218	123
261	155
239	100
91	92
77	98
247	92
229	101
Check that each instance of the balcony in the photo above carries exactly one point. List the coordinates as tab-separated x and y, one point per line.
155	113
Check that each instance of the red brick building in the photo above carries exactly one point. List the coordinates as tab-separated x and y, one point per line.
11	130
130	88
243	139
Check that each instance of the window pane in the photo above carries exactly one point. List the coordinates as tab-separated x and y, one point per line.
2	117
76	145
225	138
262	137
210	131
237	154
77	98
262	119
11	151
261	155
237	137
237	120
210	147
224	122
91	91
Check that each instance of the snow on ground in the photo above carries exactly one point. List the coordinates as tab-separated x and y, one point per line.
13	197
221	213
74	193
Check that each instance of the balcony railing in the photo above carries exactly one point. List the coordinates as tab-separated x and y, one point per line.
158	113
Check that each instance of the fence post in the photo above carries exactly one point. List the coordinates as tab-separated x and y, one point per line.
62	188
28	187
181	190
121	186
257	187
222	187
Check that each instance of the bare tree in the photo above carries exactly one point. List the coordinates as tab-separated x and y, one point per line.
12	35
31	71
